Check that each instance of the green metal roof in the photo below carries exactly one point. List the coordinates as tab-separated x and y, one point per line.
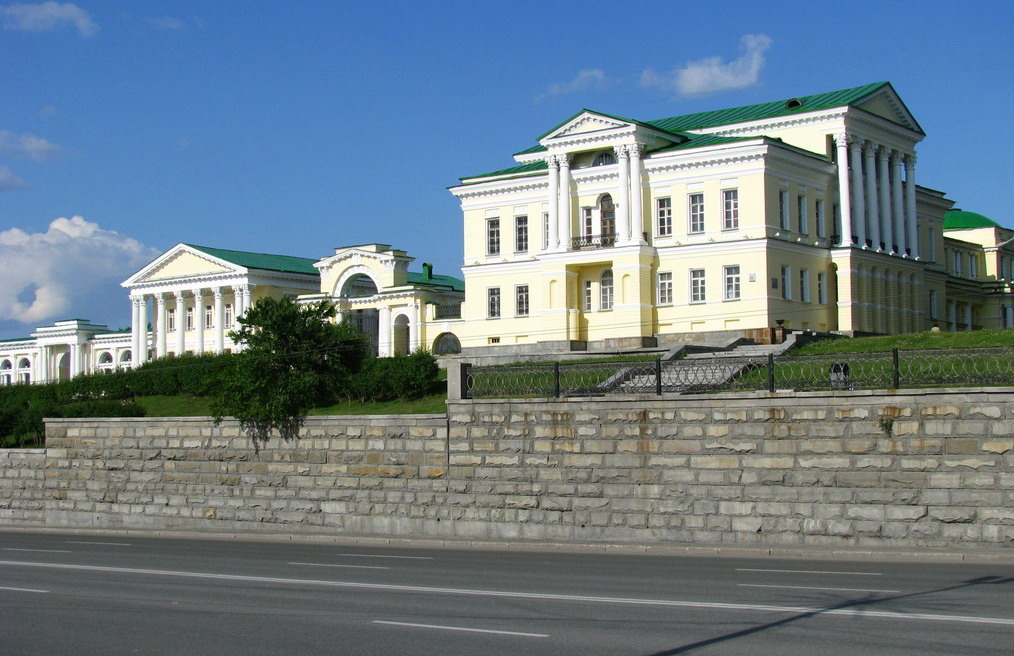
514	170
286	263
962	220
418	278
16	339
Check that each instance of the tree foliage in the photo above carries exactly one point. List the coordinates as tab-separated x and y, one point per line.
293	357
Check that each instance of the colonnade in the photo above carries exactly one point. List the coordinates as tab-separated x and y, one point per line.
628	208
177	302
877	206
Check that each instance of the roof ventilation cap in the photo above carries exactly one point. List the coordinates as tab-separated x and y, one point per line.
792	104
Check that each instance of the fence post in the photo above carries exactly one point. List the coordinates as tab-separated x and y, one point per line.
771	372
556	380
658	377
896	380
462	371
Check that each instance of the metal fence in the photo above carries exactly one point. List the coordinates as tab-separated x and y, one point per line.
987	366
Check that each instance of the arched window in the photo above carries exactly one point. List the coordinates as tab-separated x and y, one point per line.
5	372
125	356
446	343
606	290
602	159
106	358
607	211
24	371
6	364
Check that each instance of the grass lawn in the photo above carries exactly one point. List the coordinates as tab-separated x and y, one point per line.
926	340
189	406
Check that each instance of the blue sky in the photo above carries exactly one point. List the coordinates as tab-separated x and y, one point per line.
296	127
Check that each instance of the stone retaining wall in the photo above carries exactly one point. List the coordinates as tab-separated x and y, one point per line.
22	487
911	467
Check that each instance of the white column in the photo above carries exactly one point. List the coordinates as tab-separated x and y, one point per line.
564	200
968	316
41	372
636	200
911	218
856	181
384	332
844	190
198	321
623	213
898	202
872	207
219	319
413	329
180	323
554	203
883	177
160	326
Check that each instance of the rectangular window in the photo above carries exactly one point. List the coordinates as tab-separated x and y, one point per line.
606	291
730	209
696	213
822	288
190	318
665	288
787	283
803	220
957	262
587	300
545	230
818	215
973	266
520	234
209	316
228	315
931	241
933	309
732	292
521	300
663	211
493	236
170	320
493	302
697	290
783	209
587	225
804	285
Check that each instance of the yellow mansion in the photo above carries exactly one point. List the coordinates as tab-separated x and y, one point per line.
615	233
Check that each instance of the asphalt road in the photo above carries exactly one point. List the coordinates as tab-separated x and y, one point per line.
118	594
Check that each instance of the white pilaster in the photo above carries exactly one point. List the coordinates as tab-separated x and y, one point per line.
565	220
911	219
883	177
384	332
636	194
199	321
872	206
856	181
554	203
622	213
844	190
135	330
160	326
219	319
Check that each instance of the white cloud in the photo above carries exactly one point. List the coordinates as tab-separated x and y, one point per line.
73	269
8	180
587	79
46	16
712	74
27	145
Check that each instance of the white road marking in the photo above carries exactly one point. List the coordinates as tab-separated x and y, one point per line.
386	556
4	587
111	544
387	587
40	550
337	565
807	587
807	571
462	628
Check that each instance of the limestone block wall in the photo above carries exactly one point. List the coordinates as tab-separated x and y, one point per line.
923	467
22	487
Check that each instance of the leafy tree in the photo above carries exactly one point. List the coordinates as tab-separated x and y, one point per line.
293	358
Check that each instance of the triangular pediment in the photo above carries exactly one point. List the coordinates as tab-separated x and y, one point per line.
887	104
180	262
586	122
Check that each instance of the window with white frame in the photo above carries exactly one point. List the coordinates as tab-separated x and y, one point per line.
228	315
209	316
606	290
493	302
604	159
822	288
697	287
521	300
787	282
492	236
730	209
818	216
957	262
545	230
170	319
190	318
586	301
973	266
783	209
520	234
696	213
665	288
607	219
732	291
663	214
802	219
587	222
804	285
